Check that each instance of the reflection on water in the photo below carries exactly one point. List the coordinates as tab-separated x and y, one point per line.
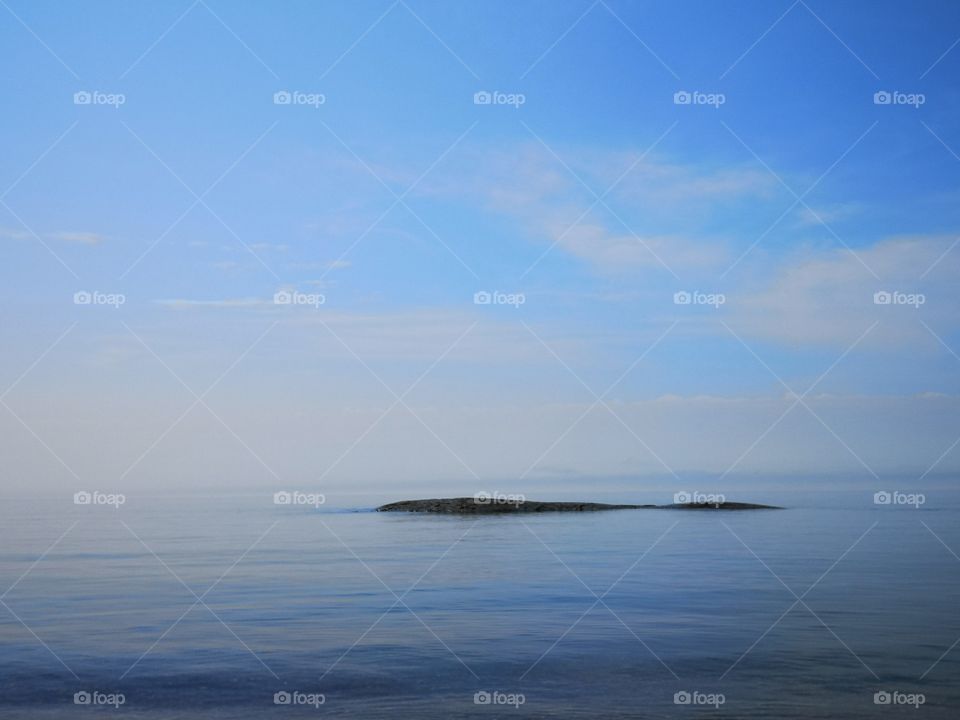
193	608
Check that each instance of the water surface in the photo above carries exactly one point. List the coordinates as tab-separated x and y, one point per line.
801	613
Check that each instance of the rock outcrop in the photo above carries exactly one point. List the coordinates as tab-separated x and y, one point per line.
474	506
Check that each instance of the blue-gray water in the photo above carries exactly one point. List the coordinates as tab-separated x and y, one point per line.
497	605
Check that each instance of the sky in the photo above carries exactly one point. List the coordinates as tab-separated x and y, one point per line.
252	244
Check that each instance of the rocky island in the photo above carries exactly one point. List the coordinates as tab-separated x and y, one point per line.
490	506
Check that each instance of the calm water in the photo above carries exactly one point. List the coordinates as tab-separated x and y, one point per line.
691	602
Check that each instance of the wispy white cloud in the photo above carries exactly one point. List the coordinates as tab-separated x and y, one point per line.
319	265
185	304
79	238
622	251
827	213
269	247
654	214
72	237
826	297
10	234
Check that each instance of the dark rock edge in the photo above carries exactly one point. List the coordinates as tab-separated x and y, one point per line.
469	506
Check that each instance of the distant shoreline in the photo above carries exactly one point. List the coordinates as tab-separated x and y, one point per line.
474	506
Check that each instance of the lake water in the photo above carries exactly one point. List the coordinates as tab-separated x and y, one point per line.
606	614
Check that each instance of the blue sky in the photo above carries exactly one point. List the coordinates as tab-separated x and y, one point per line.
795	197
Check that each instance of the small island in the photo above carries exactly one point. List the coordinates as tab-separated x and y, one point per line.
487	506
